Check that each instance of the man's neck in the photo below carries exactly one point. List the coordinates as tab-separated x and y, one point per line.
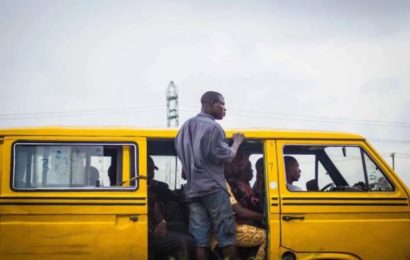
207	114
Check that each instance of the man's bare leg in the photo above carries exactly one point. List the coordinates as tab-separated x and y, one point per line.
201	253
230	252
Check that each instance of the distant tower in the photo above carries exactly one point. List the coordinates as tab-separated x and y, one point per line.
172	105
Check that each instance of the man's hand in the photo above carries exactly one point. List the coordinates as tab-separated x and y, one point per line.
160	229
237	141
238	138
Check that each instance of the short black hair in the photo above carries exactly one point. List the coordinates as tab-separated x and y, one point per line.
259	163
289	160
210	97
241	153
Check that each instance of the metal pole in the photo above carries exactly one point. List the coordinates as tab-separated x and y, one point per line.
172	105
392	158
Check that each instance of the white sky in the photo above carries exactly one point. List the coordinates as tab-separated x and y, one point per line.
323	65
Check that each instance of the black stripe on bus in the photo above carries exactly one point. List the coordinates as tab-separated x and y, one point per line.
344	204
71	198
69	204
322	198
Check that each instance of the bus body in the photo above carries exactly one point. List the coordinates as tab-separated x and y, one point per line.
81	193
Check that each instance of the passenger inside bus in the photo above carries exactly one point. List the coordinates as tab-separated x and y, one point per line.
292	173
165	243
246	205
251	239
169	201
239	181
93	177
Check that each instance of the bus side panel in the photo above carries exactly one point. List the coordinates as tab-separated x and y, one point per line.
364	224
71	236
73	224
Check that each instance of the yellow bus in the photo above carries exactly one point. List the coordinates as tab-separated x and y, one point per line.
81	193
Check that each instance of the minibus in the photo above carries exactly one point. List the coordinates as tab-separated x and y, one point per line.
81	193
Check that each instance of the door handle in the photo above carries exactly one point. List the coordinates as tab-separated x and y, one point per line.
134	218
289	218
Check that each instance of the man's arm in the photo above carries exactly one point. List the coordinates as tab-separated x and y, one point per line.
237	141
219	149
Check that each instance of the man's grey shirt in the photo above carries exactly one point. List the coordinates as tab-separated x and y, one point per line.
202	148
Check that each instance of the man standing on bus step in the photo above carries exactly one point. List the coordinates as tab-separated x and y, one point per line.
203	150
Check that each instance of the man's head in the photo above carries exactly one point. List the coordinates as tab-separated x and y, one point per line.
292	169
213	103
151	168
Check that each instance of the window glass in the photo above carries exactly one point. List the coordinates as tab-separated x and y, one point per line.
332	168
323	177
74	166
308	180
169	170
254	158
377	180
349	163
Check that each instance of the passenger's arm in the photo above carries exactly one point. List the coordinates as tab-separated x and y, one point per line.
160	223
245	213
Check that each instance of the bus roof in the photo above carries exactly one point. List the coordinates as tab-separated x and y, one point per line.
253	133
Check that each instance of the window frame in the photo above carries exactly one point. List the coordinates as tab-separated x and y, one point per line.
133	177
335	143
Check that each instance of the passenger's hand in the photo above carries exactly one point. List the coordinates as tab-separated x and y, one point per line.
160	230
238	137
254	201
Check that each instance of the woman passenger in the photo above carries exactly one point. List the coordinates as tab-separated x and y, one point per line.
248	230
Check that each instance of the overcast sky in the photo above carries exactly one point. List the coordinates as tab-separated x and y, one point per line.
323	65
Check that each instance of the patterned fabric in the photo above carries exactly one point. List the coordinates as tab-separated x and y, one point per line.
250	236
247	198
247	236
231	196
